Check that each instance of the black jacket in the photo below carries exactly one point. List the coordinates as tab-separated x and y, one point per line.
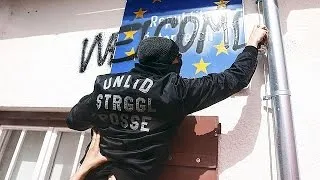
138	112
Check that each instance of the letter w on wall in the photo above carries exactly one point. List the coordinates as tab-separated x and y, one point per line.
101	57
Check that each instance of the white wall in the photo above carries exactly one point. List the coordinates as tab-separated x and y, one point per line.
41	51
301	36
39	67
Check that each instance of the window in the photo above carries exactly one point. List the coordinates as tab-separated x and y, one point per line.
40	152
37	145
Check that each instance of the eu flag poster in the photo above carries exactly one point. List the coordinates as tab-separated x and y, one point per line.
209	33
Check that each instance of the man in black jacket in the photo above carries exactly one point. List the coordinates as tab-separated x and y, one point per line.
138	112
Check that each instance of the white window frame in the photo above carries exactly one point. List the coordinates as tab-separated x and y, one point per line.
48	150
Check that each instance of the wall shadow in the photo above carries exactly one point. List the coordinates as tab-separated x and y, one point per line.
237	144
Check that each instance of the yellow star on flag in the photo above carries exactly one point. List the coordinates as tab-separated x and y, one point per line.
131	52
201	66
222	3
156	1
129	34
140	13
221	48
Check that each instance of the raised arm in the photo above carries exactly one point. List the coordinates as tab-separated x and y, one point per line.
203	92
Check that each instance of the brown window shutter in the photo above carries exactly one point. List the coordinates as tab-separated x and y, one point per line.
194	153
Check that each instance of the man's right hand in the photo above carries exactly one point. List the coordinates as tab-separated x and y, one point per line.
258	35
92	160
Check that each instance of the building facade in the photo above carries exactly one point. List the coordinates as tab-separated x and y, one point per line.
41	44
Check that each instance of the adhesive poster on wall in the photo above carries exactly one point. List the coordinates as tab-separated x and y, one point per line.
209	33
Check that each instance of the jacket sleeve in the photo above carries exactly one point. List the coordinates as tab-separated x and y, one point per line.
82	114
200	93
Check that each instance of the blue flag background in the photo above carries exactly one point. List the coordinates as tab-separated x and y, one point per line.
210	33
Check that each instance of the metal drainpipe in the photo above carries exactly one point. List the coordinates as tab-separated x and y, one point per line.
286	156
